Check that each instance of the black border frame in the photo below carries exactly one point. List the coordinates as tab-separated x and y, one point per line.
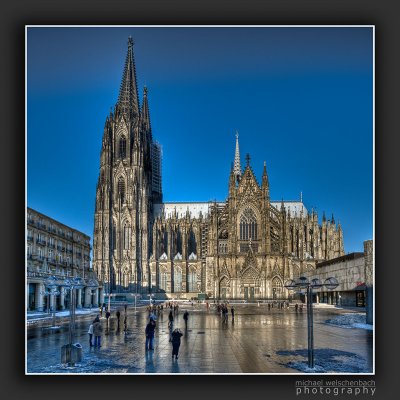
18	13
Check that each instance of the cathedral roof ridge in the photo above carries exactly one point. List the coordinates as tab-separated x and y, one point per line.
190	202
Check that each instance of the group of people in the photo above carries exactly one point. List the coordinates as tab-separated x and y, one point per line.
222	310
278	304
174	334
297	306
95	329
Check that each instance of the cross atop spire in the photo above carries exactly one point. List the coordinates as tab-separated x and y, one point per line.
128	99
237	169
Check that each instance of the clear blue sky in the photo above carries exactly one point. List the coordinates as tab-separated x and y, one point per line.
301	99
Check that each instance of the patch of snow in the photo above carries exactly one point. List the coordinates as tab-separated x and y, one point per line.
325	361
364	326
350	320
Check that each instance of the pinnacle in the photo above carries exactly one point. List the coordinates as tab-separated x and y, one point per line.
128	99
237	169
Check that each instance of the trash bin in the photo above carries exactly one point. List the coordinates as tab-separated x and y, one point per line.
71	354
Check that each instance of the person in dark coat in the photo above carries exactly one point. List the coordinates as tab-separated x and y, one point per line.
150	328
97	330
118	314
176	342
233	312
170	325
186	317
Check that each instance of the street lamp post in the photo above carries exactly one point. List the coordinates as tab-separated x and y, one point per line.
72	352
301	284
51	291
135	295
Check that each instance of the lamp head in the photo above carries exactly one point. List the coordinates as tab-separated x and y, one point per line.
302	282
331	283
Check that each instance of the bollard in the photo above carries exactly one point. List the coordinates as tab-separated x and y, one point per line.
71	354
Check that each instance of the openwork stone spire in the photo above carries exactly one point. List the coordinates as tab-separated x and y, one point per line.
237	169
128	100
146	113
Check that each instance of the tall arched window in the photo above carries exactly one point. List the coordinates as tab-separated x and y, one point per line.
177	280
122	148
127	232
192	243
179	242
121	190
192	280
248	225
163	280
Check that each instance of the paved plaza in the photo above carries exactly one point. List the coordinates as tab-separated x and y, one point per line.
257	341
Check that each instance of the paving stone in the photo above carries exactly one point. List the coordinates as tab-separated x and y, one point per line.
257	342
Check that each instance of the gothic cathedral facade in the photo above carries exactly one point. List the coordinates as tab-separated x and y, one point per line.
243	248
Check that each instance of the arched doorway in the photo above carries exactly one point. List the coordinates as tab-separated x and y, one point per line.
250	283
277	288
223	287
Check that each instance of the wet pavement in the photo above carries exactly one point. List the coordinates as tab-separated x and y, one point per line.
257	341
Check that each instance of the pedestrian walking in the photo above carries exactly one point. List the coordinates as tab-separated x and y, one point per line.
118	314
97	331
101	311
186	317
176	342
170	325
90	333
108	314
150	328
233	313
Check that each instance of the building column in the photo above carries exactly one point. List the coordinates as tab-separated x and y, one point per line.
317	298
39	297
79	298
52	302
96	298
62	298
88	297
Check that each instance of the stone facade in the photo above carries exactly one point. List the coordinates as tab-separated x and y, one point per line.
244	247
354	273
54	249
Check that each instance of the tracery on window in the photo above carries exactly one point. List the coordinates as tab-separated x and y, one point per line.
248	225
122	148
121	190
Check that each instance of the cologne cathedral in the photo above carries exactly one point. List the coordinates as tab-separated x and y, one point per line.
245	247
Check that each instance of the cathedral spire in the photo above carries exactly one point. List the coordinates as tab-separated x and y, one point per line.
146	113
237	169
265	181
128	100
